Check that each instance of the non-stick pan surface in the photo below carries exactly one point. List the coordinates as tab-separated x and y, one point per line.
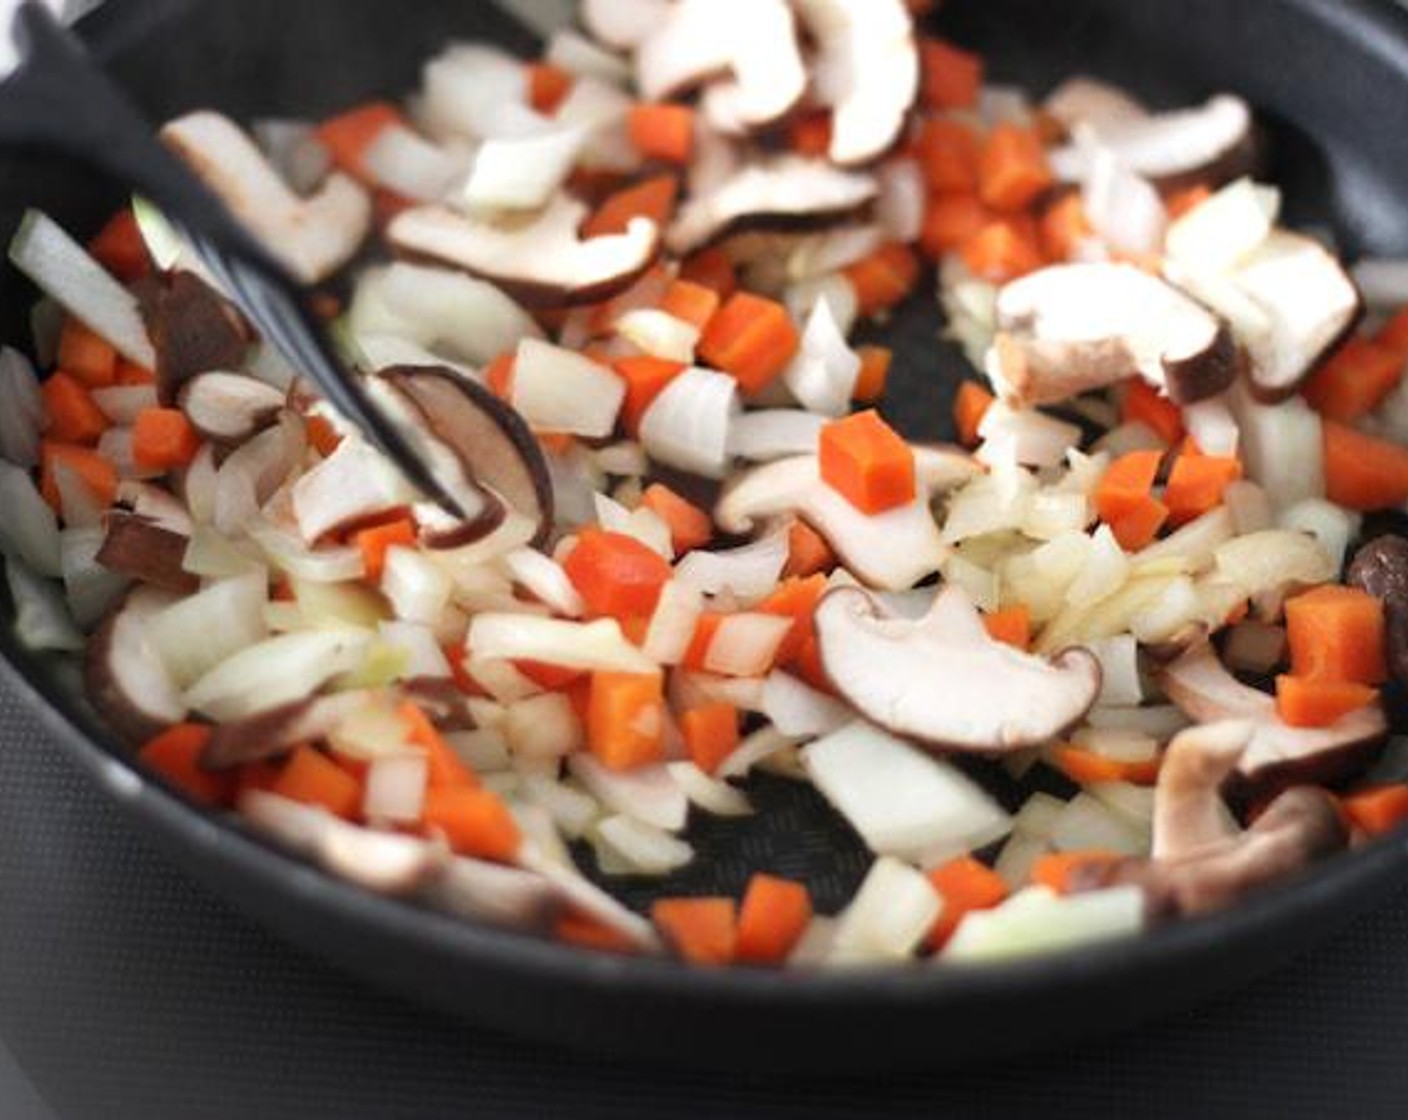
1330	78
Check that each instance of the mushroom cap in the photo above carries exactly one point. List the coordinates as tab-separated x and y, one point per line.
944	681
1071	328
542	262
124	675
229	407
1189	813
276	732
193	330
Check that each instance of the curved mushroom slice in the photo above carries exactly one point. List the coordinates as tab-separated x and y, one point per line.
1310	302
944	681
868	72
1072	328
890	551
541	263
1213	143
624	24
229	407
193	330
1381	568
352	483
495	893
1189	813
138	548
1277	754
750	44
490	439
124	675
274	733
314	236
1299	827
783	193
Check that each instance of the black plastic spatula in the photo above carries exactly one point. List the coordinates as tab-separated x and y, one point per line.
57	98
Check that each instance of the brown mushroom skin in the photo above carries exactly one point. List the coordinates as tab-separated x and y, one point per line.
1196	379
193	330
1381	568
1301	826
141	549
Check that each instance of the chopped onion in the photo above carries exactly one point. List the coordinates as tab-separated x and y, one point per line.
122	403
318	565
798	710
544	579
1123	439
91	589
757	748
468	89
558	390
1249	506
1119	667
579	56
648	794
572	810
718	798
833	251
355	481
834	290
690	689
1038	816
399	160
543	727
1270	562
776	433
823	374
1332	525
29	531
425	659
1161	722
644	524
523	173
903	200
1124	208
1025	438
65	271
1212	426
888	917
1217	235
596	646
301	159
395	789
672	626
275	672
748	572
659	334
42	619
1037	921
22	418
746	644
1014	862
197	633
688	424
643	848
1086	824
416	587
1282	447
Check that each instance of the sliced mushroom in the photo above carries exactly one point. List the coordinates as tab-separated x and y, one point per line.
891	551
352	483
193	330
1311	304
124	675
624	24
1071	328
1190	816
867	71
1278	754
1213	143
229	407
274	733
314	236
1300	826
490	439
145	551
783	193
944	681
1381	569
541	262
491	892
749	46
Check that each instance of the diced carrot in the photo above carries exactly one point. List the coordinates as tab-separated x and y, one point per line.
884	278
795	598
951	220
875	362
970	405
548	86
260	776
965	885
444	768
809	134
1065	227
1139	525
1126	484
703	931
163	439
475	822
1012	169
457	654
710	734
867	462
711	268
626	719
1378	810
952	76
1337	633
586	932
690	526
387	205
697	653
1084	767
774	915
1361	472
752	339
349	135
90	358
663	132
327	306
1319	701
808	554
1144	404
120	248
555	443
948	152
98	473
616	575
73	415
1184	202
645	378
690	302
1012	625
321	434
1197	483
498	376
808	665
1003	250
312	778
130	373
1355	380
175	755
552	678
653	199
375	542
1055	869
1394	334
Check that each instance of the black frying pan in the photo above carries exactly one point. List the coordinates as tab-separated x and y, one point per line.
1330	78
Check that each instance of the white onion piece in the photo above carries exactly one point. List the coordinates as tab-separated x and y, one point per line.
401	161
643	524
1037	921
688	424
835	290
1124	208
301	159
1282	447
415	586
522	173
42	620
746	644
901	801
543	727
823	374
197	633
659	334
90	588
595	646
602	109
776	433
558	390
395	789
798	710
711	795
748	572
571	52
424	657
355	481
22	418
1162	721
757	748
291	556
61	267
1212	426
888	917
1086	824
275	672
1332	525
122	403
1024	437
672	626
29	530
1119	667
81	504
1382	282
544	579
1217	235
642	848
903	199
647	794
468	88
833	251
